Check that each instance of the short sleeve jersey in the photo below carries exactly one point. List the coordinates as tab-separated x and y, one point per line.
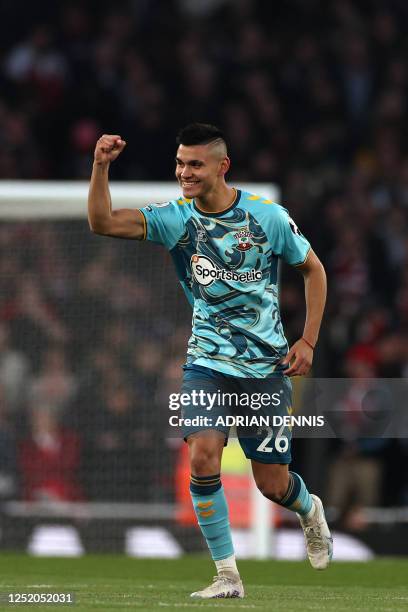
227	264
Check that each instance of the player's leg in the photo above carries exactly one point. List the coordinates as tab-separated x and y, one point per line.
206	443
270	452
282	487
288	489
210	505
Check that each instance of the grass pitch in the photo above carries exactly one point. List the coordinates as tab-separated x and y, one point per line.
119	583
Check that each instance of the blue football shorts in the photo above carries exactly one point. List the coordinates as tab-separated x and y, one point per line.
255	406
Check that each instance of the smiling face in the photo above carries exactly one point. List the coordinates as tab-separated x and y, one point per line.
201	168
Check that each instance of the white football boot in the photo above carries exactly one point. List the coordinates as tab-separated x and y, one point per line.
319	542
222	587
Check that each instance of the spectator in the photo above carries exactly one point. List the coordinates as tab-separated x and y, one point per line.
120	465
49	459
8	459
14	371
356	471
54	384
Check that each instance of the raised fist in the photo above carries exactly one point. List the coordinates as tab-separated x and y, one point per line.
108	147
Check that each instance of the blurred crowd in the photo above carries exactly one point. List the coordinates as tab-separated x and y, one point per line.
311	96
93	334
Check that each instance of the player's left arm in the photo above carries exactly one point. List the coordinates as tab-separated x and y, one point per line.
301	353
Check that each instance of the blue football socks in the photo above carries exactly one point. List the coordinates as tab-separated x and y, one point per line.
211	510
297	497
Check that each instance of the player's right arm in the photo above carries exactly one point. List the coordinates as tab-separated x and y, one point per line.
122	223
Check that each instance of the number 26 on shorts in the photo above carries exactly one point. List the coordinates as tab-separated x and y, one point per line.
281	443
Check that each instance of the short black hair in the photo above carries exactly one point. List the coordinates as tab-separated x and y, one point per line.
199	134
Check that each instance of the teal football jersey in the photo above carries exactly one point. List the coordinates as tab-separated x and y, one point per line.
227	264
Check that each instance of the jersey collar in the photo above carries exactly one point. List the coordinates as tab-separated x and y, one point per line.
222	212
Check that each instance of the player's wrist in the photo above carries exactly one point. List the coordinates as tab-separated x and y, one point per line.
102	165
312	346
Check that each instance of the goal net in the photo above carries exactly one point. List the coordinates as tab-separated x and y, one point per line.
93	333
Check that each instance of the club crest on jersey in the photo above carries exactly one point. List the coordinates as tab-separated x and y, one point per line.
244	242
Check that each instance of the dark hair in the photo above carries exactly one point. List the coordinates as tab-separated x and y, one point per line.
199	134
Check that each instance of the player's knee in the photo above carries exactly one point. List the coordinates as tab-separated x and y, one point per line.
204	463
205	454
275	491
204	460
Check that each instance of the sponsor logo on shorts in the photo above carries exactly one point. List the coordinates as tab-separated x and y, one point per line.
206	272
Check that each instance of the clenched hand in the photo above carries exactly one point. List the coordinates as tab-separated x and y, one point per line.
108	147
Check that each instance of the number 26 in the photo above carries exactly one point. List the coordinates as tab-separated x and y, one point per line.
281	443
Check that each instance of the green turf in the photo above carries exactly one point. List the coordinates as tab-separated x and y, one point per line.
117	583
